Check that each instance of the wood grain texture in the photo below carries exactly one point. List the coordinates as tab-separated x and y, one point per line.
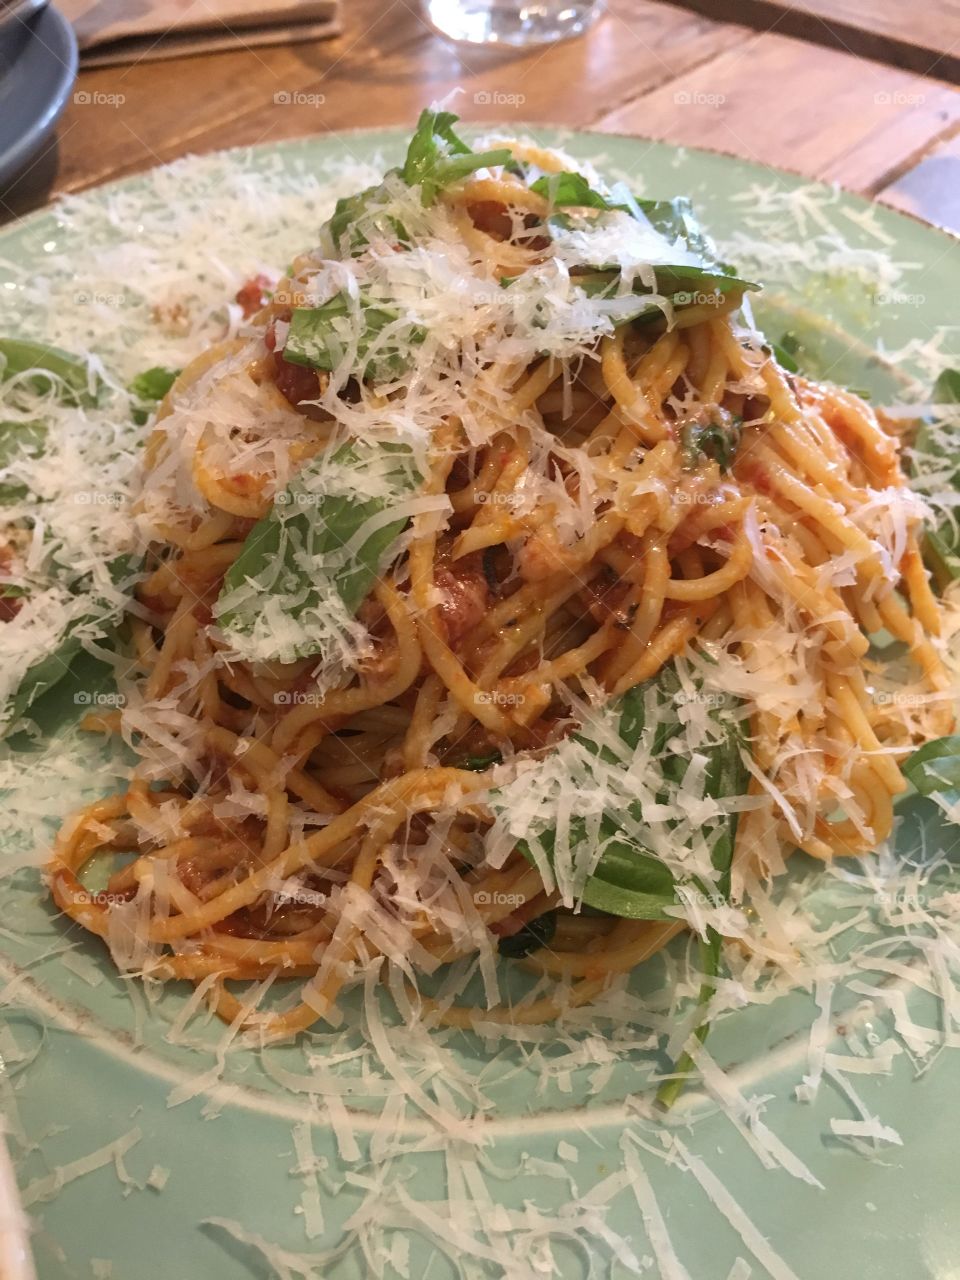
383	70
649	68
782	102
916	35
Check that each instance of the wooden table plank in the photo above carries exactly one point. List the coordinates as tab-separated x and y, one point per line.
782	102
384	68
922	36
648	68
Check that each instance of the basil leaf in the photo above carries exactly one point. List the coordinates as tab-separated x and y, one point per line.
437	157
17	438
935	768
308	544
54	666
534	935
50	368
319	337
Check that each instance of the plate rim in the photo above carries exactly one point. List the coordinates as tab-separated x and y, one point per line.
478	127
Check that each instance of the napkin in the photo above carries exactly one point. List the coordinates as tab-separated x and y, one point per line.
114	31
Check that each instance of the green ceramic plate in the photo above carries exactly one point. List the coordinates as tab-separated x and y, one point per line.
332	1164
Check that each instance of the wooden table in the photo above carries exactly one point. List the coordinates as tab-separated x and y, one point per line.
809	102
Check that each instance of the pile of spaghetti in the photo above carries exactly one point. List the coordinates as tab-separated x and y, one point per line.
504	594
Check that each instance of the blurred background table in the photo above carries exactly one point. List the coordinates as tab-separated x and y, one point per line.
841	90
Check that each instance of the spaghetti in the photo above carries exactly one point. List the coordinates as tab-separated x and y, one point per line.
605	476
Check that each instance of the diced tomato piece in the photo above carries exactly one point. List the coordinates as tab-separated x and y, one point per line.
252	295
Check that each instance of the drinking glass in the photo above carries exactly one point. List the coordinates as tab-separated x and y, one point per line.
511	22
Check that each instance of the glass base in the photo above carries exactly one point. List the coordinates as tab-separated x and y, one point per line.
511	22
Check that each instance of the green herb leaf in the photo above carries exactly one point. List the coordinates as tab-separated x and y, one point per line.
18	438
711	950
785	352
534	935
49	368
437	157
153	384
53	667
564	190
718	441
320	336
356	216
946	389
935	444
479	763
628	880
312	542
150	387
935	768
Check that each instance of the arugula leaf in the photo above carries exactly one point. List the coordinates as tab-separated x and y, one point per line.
946	389
49	670
343	228
319	337
785	352
673	220
49	367
941	544
534	934
571	189
309	539
154	383
629	880
479	763
711	950
150	387
717	440
437	157
16	438
935	768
